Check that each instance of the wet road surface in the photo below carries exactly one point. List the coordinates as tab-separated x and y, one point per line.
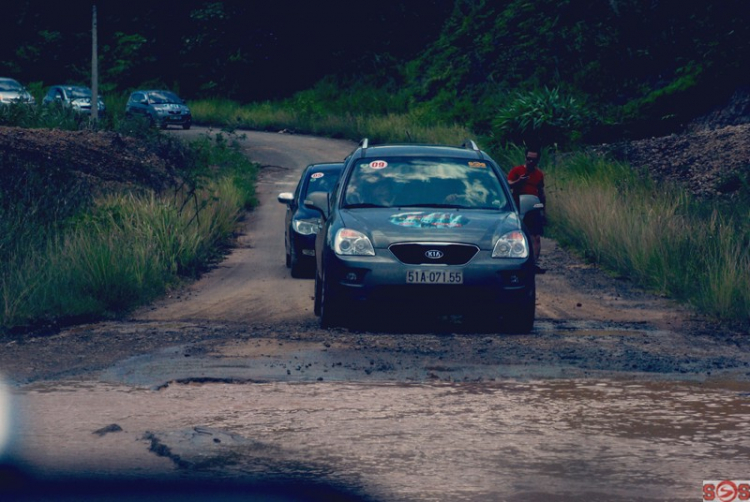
509	440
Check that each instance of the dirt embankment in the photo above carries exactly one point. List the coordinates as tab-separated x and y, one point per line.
711	158
102	160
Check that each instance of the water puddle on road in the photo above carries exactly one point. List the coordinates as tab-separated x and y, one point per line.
512	440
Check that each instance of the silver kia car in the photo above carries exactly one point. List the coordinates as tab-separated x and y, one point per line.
11	91
74	97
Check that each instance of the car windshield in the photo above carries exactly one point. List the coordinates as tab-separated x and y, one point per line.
10	85
424	182
320	181
163	97
79	92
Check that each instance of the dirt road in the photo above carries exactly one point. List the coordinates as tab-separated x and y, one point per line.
232	377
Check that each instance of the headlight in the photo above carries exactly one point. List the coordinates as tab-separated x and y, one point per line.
306	227
511	245
352	243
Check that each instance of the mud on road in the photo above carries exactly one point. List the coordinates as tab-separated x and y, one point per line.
250	311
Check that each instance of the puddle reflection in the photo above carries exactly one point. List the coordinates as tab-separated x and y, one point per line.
513	440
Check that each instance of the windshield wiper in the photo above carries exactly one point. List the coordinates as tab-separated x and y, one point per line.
362	204
448	206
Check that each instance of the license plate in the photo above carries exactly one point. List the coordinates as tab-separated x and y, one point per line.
434	277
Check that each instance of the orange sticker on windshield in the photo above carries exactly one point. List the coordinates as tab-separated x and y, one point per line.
378	164
477	164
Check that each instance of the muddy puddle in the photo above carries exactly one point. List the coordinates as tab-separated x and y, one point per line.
508	440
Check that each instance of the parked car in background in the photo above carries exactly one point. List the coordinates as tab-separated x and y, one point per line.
11	91
161	108
74	97
424	228
301	223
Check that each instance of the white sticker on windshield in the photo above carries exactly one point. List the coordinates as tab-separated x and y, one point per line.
378	164
315	176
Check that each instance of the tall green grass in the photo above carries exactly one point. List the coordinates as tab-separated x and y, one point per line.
658	235
123	249
267	116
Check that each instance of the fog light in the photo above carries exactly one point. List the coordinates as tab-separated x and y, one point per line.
351	277
308	252
514	279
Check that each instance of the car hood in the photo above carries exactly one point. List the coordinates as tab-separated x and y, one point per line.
386	226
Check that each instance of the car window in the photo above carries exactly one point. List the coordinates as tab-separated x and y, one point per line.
431	182
79	92
319	181
10	85
162	98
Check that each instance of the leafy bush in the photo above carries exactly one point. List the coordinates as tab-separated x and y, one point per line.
541	117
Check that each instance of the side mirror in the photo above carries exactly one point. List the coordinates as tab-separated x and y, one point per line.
529	203
319	201
286	198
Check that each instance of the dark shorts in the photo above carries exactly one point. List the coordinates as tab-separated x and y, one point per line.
534	222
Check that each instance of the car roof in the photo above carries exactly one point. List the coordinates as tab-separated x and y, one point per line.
420	150
326	166
69	86
8	79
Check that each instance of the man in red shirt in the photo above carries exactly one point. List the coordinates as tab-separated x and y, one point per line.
529	179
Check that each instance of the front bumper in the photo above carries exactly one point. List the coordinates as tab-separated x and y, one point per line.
487	282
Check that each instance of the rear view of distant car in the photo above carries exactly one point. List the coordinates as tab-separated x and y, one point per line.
161	108
74	97
11	91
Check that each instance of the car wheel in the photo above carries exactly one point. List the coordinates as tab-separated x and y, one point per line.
316	304
331	308
520	317
186	126
298	270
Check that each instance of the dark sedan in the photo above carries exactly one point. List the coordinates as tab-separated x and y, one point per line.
301	223
424	227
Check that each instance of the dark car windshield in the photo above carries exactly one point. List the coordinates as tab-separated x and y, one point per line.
10	85
320	181
426	182
163	97
78	92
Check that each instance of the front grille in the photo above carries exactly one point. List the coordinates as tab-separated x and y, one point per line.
417	253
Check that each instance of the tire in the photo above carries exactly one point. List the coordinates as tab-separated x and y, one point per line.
520	318
332	311
186	126
318	293
298	269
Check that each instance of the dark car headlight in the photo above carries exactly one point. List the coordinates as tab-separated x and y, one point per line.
352	243
511	245
306	227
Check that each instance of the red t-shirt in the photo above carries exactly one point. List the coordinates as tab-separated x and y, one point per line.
531	186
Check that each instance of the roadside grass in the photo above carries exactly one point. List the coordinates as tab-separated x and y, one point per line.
657	235
382	128
123	249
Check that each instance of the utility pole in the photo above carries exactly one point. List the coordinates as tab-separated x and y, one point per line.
94	70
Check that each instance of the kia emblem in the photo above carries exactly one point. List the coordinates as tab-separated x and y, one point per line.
433	254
